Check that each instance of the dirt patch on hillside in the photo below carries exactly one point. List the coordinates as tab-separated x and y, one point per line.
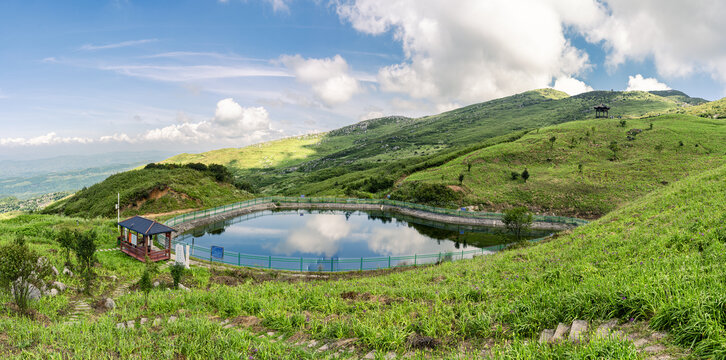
355	296
456	188
250	322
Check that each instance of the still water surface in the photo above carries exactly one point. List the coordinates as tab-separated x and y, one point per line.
342	234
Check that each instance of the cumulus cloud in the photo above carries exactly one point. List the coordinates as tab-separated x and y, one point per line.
231	123
638	82
279	5
571	86
322	235
476	50
329	77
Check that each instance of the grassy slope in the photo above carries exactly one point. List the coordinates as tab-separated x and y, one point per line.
659	259
387	146
713	109
183	188
555	183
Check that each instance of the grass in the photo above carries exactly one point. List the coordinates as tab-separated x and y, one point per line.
149	191
577	175
658	259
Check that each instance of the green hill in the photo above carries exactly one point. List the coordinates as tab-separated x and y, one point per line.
579	174
149	191
714	109
391	147
653	265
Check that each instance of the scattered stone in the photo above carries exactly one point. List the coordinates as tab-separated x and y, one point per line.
560	332
578	328
157	322
172	319
312	343
131	324
228	326
33	292
546	336
60	286
54	270
156	284
654	348
109	304
658	335
323	348
604	330
53	292
280	337
143	321
113	278
343	343
120	325
390	355
67	272
270	333
371	355
182	287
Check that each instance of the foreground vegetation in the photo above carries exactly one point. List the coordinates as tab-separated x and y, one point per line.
656	261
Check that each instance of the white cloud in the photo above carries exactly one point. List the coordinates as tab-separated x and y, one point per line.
638	82
90	47
571	86
321	235
682	37
231	123
475	50
194	72
370	115
47	139
328	77
280	5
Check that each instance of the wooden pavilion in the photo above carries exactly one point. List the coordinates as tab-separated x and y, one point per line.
138	236
601	111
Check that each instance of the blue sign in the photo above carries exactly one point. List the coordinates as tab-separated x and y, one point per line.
217	252
302	196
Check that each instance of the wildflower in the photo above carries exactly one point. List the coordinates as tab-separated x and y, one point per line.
631	319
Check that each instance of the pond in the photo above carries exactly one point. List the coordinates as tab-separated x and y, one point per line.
277	236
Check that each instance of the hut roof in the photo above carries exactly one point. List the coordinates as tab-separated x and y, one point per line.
145	226
602	107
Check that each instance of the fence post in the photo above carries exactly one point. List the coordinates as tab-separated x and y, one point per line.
210	255
269	262
239	259
331	264
462	254
389	261
361	263
415	259
301	264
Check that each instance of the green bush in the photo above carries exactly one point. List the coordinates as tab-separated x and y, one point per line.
177	272
426	193
21	267
517	220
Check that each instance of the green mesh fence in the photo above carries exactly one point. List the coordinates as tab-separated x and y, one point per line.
345	264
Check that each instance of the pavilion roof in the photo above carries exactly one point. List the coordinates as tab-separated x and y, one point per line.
145	226
602	106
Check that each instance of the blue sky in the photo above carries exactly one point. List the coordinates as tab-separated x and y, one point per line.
97	76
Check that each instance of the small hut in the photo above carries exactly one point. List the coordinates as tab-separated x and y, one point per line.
139	235
601	111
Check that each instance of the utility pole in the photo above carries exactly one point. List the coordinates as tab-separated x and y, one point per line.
118	211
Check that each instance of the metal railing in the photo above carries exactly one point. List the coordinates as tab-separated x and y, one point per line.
344	264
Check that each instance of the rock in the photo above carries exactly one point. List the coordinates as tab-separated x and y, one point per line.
640	342
60	286
604	330
270	333
323	348
157	322
658	335
53	292
390	355
371	355
579	327
182	287
172	319
67	272
131	324
54	270
120	325
33	292
546	336
113	278
109	304
312	343
156	284
143	321
228	326
560	332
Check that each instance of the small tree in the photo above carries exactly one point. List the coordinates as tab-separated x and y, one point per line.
651	126
468	167
177	272
614	148
579	168
22	271
525	175
145	285
85	248
552	141
461	179
623	123
66	239
517	220
514	175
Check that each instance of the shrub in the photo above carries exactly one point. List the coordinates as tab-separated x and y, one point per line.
514	175
145	284
426	193
468	167
623	123
177	272
614	148
517	220
461	179
85	247
66	240
21	270
525	175
552	141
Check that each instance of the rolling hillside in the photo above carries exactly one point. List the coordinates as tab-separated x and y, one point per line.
394	145
578	173
149	191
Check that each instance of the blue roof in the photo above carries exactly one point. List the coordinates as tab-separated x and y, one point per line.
145	226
